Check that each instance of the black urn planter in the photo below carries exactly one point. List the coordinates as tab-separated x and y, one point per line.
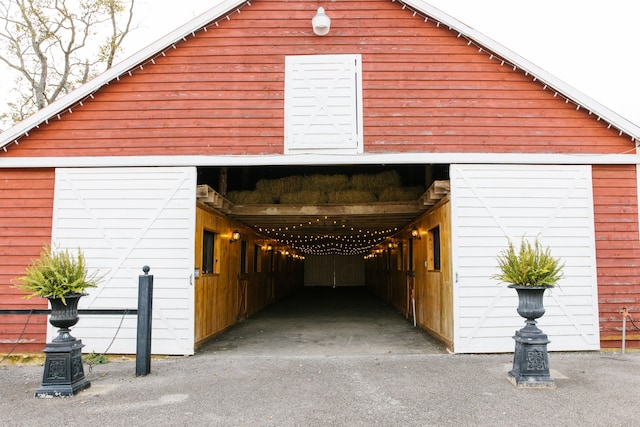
63	371
530	359
64	316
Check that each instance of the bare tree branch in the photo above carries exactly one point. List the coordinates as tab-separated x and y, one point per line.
112	45
53	46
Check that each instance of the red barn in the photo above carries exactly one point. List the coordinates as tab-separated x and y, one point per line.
148	163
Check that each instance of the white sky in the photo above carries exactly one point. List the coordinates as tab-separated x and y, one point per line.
590	44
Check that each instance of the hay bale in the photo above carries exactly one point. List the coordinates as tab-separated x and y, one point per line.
304	197
280	186
351	196
402	194
376	183
326	183
250	198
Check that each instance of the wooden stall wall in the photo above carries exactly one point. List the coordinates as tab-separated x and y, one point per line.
376	274
433	274
243	278
406	268
397	276
216	293
389	274
274	273
291	278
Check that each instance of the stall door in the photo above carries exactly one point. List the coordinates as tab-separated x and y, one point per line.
493	203
124	219
334	270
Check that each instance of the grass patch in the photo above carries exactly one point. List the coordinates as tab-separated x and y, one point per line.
95	359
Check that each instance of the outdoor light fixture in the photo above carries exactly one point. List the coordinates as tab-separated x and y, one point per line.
415	233
269	248
321	23
235	236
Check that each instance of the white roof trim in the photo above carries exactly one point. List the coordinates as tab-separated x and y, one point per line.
64	103
320	159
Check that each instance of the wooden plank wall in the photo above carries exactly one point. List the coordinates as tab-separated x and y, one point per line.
433	287
226	297
222	92
388	275
26	207
618	252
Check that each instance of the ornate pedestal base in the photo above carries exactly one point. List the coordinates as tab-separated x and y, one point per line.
531	360
63	371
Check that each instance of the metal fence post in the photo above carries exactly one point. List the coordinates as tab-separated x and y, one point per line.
143	342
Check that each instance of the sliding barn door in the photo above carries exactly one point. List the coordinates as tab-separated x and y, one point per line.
124	219
493	203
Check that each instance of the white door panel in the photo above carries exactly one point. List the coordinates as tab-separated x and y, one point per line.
123	219
493	203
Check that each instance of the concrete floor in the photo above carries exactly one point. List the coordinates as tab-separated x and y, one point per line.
326	321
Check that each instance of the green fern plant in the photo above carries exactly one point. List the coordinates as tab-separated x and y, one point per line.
57	274
531	265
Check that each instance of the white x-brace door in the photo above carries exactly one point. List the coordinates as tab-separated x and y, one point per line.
493	203
123	219
323	104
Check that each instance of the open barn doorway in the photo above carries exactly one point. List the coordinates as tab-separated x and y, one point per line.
350	227
331	215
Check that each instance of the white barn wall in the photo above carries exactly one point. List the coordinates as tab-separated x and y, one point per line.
493	203
123	219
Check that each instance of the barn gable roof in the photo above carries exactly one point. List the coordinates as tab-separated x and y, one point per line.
229	7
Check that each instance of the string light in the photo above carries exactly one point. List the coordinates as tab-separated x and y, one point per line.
335	242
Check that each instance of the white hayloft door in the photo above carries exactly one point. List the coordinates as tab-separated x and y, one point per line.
124	219
493	203
323	104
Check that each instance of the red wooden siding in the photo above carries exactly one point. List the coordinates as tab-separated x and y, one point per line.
617	251
222	92
26	207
